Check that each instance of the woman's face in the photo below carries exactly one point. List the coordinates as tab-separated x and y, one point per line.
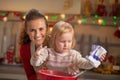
36	30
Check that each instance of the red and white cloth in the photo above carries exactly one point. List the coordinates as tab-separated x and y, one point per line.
10	56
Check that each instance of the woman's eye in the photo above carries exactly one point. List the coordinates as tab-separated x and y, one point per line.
41	29
32	30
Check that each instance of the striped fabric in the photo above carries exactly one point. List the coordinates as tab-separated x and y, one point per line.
61	61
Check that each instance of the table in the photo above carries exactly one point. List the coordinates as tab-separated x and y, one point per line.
16	72
12	72
90	75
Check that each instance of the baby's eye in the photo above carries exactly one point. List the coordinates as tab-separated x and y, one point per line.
61	41
69	41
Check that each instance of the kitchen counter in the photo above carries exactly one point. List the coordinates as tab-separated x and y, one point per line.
90	75
16	72
12	72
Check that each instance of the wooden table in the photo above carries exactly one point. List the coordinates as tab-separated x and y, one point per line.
12	72
16	72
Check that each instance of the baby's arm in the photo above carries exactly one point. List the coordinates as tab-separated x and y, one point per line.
81	62
39	56
78	63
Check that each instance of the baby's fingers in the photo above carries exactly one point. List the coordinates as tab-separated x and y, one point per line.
102	57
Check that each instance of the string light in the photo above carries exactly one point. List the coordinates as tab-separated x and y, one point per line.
93	22
114	17
119	28
103	22
115	23
46	17
84	20
62	16
79	21
96	16
5	19
54	17
5	15
51	28
100	21
24	17
10	14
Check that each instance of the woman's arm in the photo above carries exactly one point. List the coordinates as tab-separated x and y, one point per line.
39	57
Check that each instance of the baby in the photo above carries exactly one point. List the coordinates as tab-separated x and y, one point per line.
61	56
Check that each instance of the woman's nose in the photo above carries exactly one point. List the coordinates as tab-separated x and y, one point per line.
37	33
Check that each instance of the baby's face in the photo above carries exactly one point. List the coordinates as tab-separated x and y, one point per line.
64	42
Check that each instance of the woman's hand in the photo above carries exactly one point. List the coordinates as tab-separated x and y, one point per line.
39	51
39	56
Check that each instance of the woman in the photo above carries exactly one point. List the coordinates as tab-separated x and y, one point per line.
32	36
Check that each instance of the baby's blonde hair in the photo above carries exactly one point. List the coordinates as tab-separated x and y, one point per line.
58	29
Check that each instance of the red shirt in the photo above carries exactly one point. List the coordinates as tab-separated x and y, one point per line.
25	54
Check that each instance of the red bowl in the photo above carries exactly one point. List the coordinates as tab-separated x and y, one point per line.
54	75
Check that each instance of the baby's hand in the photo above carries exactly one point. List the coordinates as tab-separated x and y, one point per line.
73	69
103	56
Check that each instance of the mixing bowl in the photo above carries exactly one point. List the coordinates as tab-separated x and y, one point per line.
54	75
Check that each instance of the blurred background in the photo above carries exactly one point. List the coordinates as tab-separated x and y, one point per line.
94	21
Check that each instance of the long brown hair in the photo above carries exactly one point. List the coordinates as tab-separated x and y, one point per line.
33	14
